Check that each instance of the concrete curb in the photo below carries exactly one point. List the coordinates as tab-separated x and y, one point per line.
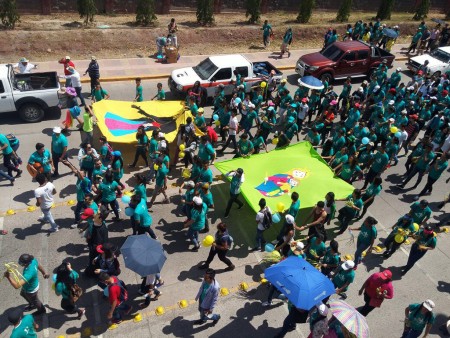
163	76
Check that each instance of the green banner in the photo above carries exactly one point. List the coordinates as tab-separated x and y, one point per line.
275	175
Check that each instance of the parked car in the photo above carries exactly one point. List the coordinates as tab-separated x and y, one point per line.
29	94
439	61
217	70
343	59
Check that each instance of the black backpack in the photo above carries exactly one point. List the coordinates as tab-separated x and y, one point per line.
267	219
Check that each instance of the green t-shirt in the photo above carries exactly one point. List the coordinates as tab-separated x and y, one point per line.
367	235
417	320
99	172
294	208
266	29
161	94
25	328
319	249
207	198
139	95
245	146
206	152
347	171
161	175
140	190
205	289
142	141
43	159
419	214
82	186
428	241
30	275
424	160
4	140
205	176
142	215
199	121
108	191
100	94
380	160
199	216
117	165
435	173
331	258
61	288
372	190
343	277
58	143
153	148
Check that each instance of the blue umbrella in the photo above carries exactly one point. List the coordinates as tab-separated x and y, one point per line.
300	282
390	33
143	255
310	82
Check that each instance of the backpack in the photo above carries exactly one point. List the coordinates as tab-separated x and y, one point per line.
12	139
110	151
267	219
123	290
229	240
75	292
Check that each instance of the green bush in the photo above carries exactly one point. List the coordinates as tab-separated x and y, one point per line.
344	11
305	11
145	12
253	10
385	9
205	12
9	14
87	10
422	10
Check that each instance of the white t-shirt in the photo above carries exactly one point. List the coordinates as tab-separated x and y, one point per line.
260	218
23	69
446	146
46	194
233	125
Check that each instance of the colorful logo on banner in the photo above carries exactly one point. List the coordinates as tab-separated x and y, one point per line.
280	184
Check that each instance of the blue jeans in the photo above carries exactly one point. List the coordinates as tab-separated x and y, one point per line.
193	235
80	206
49	217
414	255
120	310
360	247
410	333
259	237
203	317
5	175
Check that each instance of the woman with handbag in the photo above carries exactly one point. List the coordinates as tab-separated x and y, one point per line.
67	287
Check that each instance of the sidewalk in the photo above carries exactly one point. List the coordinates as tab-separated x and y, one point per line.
149	68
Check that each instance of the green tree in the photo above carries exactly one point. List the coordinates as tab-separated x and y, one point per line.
205	12
145	12
87	10
344	11
253	10
422	10
305	11
9	14
385	9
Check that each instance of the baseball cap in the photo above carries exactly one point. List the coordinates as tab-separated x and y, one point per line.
25	259
57	130
190	184
445	92
347	265
399	69
200	110
391	103
116	153
360	89
304	100
88	212
419	72
377	87
300	246
291	119
67	57
404	112
357	105
386	275
205	185
428	304
160	134
240	171
93	58
414	116
428	230
197	200
290	219
283	81
323	309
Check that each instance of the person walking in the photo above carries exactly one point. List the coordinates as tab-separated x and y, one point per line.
44	200
237	179
29	282
66	282
141	147
66	62
9	156
173	28
24	325
87	131
343	277
197	221
434	173
160	182
118	296
98	93
286	43
267	31
207	296
263	222
392	243
220	247
138	97
232	128
425	241
419	317
376	288
294	317
369	194
353	205
76	83
59	149
108	189
142	220
318	321
366	238
41	162
94	72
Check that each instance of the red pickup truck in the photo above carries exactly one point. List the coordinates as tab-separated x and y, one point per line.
343	59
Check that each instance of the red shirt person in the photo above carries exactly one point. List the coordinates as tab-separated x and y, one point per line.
376	288
118	296
67	63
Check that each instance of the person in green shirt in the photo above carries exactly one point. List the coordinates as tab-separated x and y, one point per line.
420	212
142	220
267	31
59	149
105	151
244	147
138	97
378	165
421	166
291	128
331	259
24	325
434	173
160	182
206	151
425	241
117	168
344	276
9	156
29	282
140	188
348	170
98	93
161	94
199	120
66	277
259	141
315	249
419	316
237	179
366	238
43	157
108	189
369	194
414	41
404	223
353	205
197	221
141	147
99	172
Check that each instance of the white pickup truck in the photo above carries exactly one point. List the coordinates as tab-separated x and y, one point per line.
439	61
28	94
217	70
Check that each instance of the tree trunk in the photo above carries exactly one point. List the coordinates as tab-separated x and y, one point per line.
108	6
217	6
264	6
46	7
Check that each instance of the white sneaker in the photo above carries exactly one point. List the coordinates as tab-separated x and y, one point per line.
54	229
266	304
74	226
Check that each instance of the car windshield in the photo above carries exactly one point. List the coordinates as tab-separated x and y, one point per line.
332	53
205	69
441	55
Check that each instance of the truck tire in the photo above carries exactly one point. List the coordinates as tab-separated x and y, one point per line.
326	77
31	112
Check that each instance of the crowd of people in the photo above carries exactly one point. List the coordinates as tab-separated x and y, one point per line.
360	132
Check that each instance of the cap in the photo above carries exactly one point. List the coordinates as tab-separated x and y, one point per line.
404	112
57	130
205	185
290	219
221	85
15	315
25	259
240	171
67	57
377	87
414	116
300	246
283	81
391	103
101	248
385	61
23	60
399	69
347	265
386	275
304	100
190	184
428	304
428	230
161	134
291	119
411	88
88	212
333	102
197	200
200	110
444	92
357	105
371	144
251	105
116	153
241	86
360	89
392	91
322	309
93	58
420	72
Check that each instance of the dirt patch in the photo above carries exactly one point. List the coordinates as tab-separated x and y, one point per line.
41	38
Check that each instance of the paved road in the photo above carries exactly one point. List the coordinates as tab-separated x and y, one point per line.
241	311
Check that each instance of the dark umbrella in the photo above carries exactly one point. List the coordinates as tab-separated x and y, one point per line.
143	255
439	21
390	33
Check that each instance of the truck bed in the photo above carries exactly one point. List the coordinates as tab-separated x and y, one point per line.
35	81
264	68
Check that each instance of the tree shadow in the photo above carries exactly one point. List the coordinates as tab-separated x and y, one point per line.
291	22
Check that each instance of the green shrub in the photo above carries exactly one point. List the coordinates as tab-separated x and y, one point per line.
305	11
422	10
385	9
253	10
145	12
9	14
205	12
344	11
87	10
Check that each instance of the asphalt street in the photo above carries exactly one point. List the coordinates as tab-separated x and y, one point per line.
241	311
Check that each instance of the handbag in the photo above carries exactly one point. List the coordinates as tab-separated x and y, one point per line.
75	292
